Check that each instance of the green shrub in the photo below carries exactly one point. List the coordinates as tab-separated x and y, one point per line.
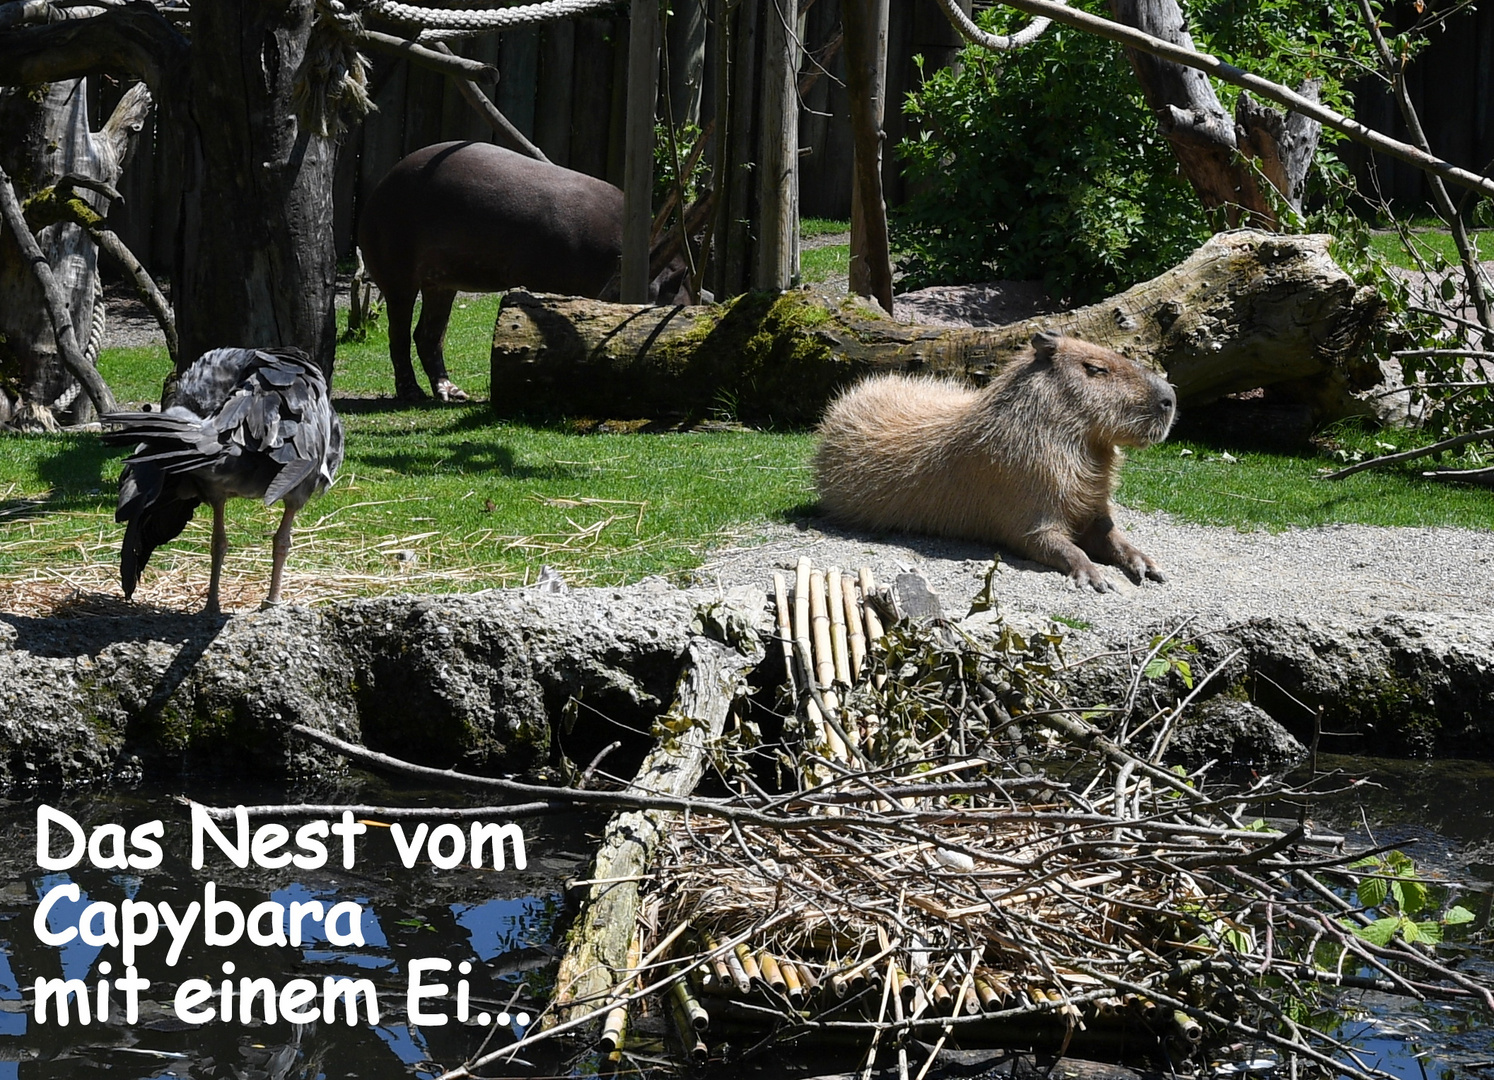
1041	164
1047	164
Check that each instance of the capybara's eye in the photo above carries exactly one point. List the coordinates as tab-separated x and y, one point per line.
1096	369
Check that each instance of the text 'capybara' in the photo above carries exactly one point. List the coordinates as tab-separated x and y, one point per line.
1028	462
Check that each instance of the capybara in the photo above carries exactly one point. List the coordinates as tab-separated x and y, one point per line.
1028	462
475	217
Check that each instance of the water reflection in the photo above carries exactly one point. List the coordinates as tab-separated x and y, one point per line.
495	929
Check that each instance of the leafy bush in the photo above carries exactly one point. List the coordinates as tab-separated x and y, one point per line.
1046	163
1041	164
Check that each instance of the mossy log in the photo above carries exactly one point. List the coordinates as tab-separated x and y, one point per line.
1247	309
596	954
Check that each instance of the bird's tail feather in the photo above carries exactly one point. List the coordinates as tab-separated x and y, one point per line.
152	524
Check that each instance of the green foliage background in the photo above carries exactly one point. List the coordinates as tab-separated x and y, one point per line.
1047	164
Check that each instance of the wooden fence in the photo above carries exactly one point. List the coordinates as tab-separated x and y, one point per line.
564	84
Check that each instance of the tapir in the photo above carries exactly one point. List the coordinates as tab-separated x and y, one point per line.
474	217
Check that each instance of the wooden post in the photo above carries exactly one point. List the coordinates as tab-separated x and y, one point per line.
777	261
734	223
866	81
638	170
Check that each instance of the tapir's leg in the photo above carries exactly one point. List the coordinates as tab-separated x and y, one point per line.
430	342
401	308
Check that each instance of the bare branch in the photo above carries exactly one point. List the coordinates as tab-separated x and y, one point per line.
134	40
1410	455
62	323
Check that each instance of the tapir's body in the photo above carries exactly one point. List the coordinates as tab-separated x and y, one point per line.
474	217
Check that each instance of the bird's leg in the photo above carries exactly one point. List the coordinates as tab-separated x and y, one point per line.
281	549
220	549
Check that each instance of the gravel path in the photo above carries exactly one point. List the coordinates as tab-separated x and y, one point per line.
1342	573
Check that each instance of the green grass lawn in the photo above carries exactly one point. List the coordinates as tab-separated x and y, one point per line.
436	498
1433	245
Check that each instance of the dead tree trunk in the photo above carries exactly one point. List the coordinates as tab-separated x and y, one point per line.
1247	309
1210	145
258	262
44	138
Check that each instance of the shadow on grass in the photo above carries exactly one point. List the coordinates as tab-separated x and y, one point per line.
81	473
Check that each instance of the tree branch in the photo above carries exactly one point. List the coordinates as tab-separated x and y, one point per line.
457	67
1212	65
134	40
62	323
1410	455
467	86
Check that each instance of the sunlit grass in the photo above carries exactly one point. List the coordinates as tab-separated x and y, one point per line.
439	498
1434	248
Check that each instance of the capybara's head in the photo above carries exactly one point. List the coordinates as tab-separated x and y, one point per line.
1121	402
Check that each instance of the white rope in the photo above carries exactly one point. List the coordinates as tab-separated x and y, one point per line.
453	22
998	42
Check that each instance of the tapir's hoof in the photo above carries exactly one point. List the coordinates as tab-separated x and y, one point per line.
410	393
447	390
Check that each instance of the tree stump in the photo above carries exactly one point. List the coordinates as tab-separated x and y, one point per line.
1246	310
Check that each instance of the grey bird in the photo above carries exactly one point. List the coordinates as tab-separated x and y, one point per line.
244	423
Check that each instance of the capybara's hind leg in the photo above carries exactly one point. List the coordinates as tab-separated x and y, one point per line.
1105	543
430	342
1051	545
400	310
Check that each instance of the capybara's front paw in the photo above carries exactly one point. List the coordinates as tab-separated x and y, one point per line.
447	390
1139	568
1092	576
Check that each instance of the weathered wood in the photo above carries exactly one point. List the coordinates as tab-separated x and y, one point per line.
1247	309
777	255
638	183
596	955
866	80
56	300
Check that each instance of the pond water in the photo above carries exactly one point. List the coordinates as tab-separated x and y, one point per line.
503	923
500	922
1441	813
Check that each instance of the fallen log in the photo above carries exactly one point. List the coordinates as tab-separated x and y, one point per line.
596	957
1246	310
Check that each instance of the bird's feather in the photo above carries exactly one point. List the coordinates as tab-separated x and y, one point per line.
254	422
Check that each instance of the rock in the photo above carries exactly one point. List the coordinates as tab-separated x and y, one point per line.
456	681
1232	731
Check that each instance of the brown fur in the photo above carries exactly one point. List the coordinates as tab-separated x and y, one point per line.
1029	462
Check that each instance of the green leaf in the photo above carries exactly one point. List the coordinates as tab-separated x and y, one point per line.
1185	671
1429	931
1400	862
1372	892
1378	932
1413	897
1457	915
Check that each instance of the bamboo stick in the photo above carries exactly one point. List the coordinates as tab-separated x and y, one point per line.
771	972
695	1013
749	965
695	1047
855	627
840	654
614	1030
819	733
794	985
824	673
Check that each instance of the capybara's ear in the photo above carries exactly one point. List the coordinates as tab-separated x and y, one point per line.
1045	344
